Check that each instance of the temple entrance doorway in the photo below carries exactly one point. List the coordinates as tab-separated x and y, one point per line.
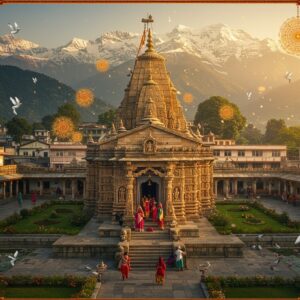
148	187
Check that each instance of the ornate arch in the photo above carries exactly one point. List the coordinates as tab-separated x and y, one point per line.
149	169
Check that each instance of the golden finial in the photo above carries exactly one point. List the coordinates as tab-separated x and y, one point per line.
121	126
113	129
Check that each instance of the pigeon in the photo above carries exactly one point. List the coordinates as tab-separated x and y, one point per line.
13	258
253	247
259	247
260	236
34	79
297	240
288	76
14	29
249	95
16	104
205	266
277	246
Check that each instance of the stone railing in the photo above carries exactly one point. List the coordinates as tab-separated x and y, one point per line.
8	170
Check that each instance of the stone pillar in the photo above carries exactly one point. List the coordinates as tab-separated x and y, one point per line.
17	187
73	189
24	187
269	188
291	188
129	217
226	187
4	190
235	187
11	189
41	188
284	186
170	212
64	188
216	188
254	187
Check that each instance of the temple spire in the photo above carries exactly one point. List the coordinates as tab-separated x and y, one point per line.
150	113
113	129
121	127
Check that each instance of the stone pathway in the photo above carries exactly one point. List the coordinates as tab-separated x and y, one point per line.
280	207
9	208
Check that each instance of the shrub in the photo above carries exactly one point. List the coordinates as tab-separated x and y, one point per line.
24	213
219	220
54	214
88	287
80	219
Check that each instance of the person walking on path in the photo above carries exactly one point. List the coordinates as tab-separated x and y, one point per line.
124	265
179	259
20	200
33	198
160	271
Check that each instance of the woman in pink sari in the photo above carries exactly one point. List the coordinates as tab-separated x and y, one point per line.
139	219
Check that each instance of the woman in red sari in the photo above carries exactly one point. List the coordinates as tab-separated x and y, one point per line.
139	219
124	265
154	212
160	217
147	208
160	271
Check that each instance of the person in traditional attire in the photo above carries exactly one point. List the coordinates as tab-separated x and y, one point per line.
160	217
160	271
151	205
179	259
124	265
154	212
33	198
139	219
147	207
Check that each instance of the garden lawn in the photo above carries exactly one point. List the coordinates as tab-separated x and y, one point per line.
235	217
63	220
38	292
262	292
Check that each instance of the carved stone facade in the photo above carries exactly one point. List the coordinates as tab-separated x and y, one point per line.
152	150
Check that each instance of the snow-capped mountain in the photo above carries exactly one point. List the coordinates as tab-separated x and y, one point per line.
214	60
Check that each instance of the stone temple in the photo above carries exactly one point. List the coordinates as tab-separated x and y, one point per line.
151	150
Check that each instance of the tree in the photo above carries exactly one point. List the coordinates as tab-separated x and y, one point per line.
250	135
107	117
272	130
16	127
70	111
220	116
47	121
37	126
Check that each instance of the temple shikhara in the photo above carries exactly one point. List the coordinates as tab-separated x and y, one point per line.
151	150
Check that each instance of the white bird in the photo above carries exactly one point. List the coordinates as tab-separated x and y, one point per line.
259	247
14	29
297	240
205	266
13	258
277	246
260	236
249	95
16	104
88	267
288	76
253	247
34	79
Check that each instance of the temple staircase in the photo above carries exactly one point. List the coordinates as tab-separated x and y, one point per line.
146	247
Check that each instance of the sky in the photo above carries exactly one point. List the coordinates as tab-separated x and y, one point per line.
55	25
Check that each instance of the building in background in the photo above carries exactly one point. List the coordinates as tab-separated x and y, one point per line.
93	130
42	135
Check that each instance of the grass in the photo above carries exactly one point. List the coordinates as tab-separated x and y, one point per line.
38	292
235	217
262	292
60	224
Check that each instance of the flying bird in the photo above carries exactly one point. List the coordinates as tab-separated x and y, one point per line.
13	258
288	76
34	79
205	266
297	240
16	104
14	29
88	268
249	95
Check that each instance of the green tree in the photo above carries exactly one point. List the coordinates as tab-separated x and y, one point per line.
37	126
70	111
211	118
16	127
107	117
250	135
273	128
47	121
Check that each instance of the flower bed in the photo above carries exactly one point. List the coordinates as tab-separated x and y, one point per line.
220	287
82	286
54	217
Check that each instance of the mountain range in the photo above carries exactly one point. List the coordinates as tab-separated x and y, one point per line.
40	98
214	60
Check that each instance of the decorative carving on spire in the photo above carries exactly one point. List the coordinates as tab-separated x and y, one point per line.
150	47
150	113
121	127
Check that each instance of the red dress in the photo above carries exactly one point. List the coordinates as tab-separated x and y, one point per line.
160	271
125	266
154	213
147	208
